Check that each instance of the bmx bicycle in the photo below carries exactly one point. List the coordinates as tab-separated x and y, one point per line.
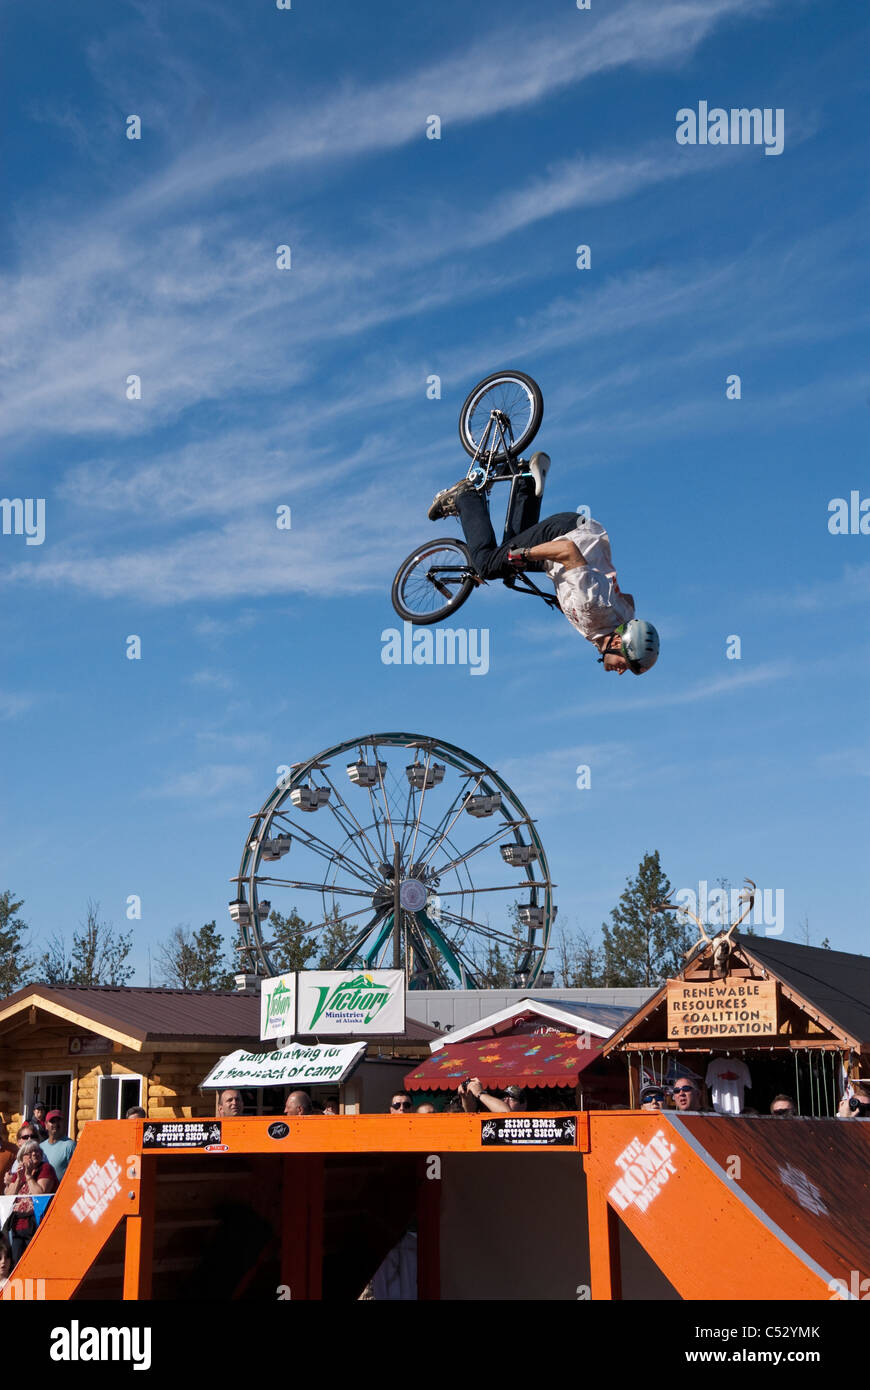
499	419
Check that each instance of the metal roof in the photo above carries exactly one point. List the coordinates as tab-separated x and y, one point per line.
833	984
836	982
448	1009
162	1015
609	1015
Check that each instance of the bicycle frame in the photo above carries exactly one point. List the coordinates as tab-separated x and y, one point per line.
497	437
521	583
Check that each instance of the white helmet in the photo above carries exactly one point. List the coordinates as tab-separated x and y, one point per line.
640	645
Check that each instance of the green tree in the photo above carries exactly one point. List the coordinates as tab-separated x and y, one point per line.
194	960
493	969
333	940
15	963
291	944
98	955
643	946
213	971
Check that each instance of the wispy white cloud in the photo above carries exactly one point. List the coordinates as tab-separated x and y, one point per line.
480	81
215	680
823	595
209	783
14	704
732	682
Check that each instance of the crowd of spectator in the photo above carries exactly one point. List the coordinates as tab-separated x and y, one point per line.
689	1095
32	1167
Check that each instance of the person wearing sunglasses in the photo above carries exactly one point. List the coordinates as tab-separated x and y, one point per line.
653	1098
687	1095
783	1106
401	1103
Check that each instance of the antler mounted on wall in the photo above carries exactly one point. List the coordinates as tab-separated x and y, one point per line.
721	942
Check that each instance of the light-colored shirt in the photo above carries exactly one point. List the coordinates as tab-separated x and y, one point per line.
728	1078
589	595
58	1155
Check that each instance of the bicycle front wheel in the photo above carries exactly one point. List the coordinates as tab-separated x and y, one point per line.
433	582
520	404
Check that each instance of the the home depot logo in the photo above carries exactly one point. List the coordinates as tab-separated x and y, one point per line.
645	1170
99	1186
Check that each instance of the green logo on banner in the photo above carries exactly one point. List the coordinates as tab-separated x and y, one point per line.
279	1002
353	1001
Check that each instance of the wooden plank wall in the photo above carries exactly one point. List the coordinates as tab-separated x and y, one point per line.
170	1087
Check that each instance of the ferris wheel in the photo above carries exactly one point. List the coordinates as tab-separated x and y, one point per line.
419	853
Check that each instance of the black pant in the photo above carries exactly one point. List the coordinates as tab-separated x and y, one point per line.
522	530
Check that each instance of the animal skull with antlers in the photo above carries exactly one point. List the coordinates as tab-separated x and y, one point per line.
721	942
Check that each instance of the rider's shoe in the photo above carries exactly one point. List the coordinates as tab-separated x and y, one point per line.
539	464
444	502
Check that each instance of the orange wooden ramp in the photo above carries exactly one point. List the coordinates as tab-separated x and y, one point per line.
101	1186
732	1208
748	1208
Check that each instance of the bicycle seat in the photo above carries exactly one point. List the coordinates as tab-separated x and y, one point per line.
539	465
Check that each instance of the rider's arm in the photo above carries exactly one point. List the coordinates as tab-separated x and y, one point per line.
563	551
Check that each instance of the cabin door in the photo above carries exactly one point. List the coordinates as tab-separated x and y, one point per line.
52	1088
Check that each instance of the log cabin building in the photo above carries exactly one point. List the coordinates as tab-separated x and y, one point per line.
92	1052
797	1018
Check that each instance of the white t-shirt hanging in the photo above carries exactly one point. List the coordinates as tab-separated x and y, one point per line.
728	1078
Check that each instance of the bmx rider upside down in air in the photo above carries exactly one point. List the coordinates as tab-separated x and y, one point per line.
575	554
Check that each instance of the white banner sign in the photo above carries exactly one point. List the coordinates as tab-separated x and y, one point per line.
278	1006
350	1001
311	1066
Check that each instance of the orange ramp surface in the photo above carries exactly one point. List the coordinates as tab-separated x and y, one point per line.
100	1187
743	1208
738	1208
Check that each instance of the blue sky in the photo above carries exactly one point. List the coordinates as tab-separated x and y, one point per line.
307	388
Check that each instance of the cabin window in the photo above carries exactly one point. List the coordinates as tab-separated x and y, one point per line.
116	1094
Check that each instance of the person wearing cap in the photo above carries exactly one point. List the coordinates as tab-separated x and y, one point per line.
653	1097
38	1121
513	1098
58	1147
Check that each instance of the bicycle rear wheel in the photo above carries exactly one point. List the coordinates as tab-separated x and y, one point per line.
433	582
520	403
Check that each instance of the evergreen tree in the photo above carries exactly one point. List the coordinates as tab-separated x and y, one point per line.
643	946
212	969
291	944
333	940
194	960
492	968
15	963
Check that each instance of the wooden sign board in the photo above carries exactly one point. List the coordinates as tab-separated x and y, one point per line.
722	1008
